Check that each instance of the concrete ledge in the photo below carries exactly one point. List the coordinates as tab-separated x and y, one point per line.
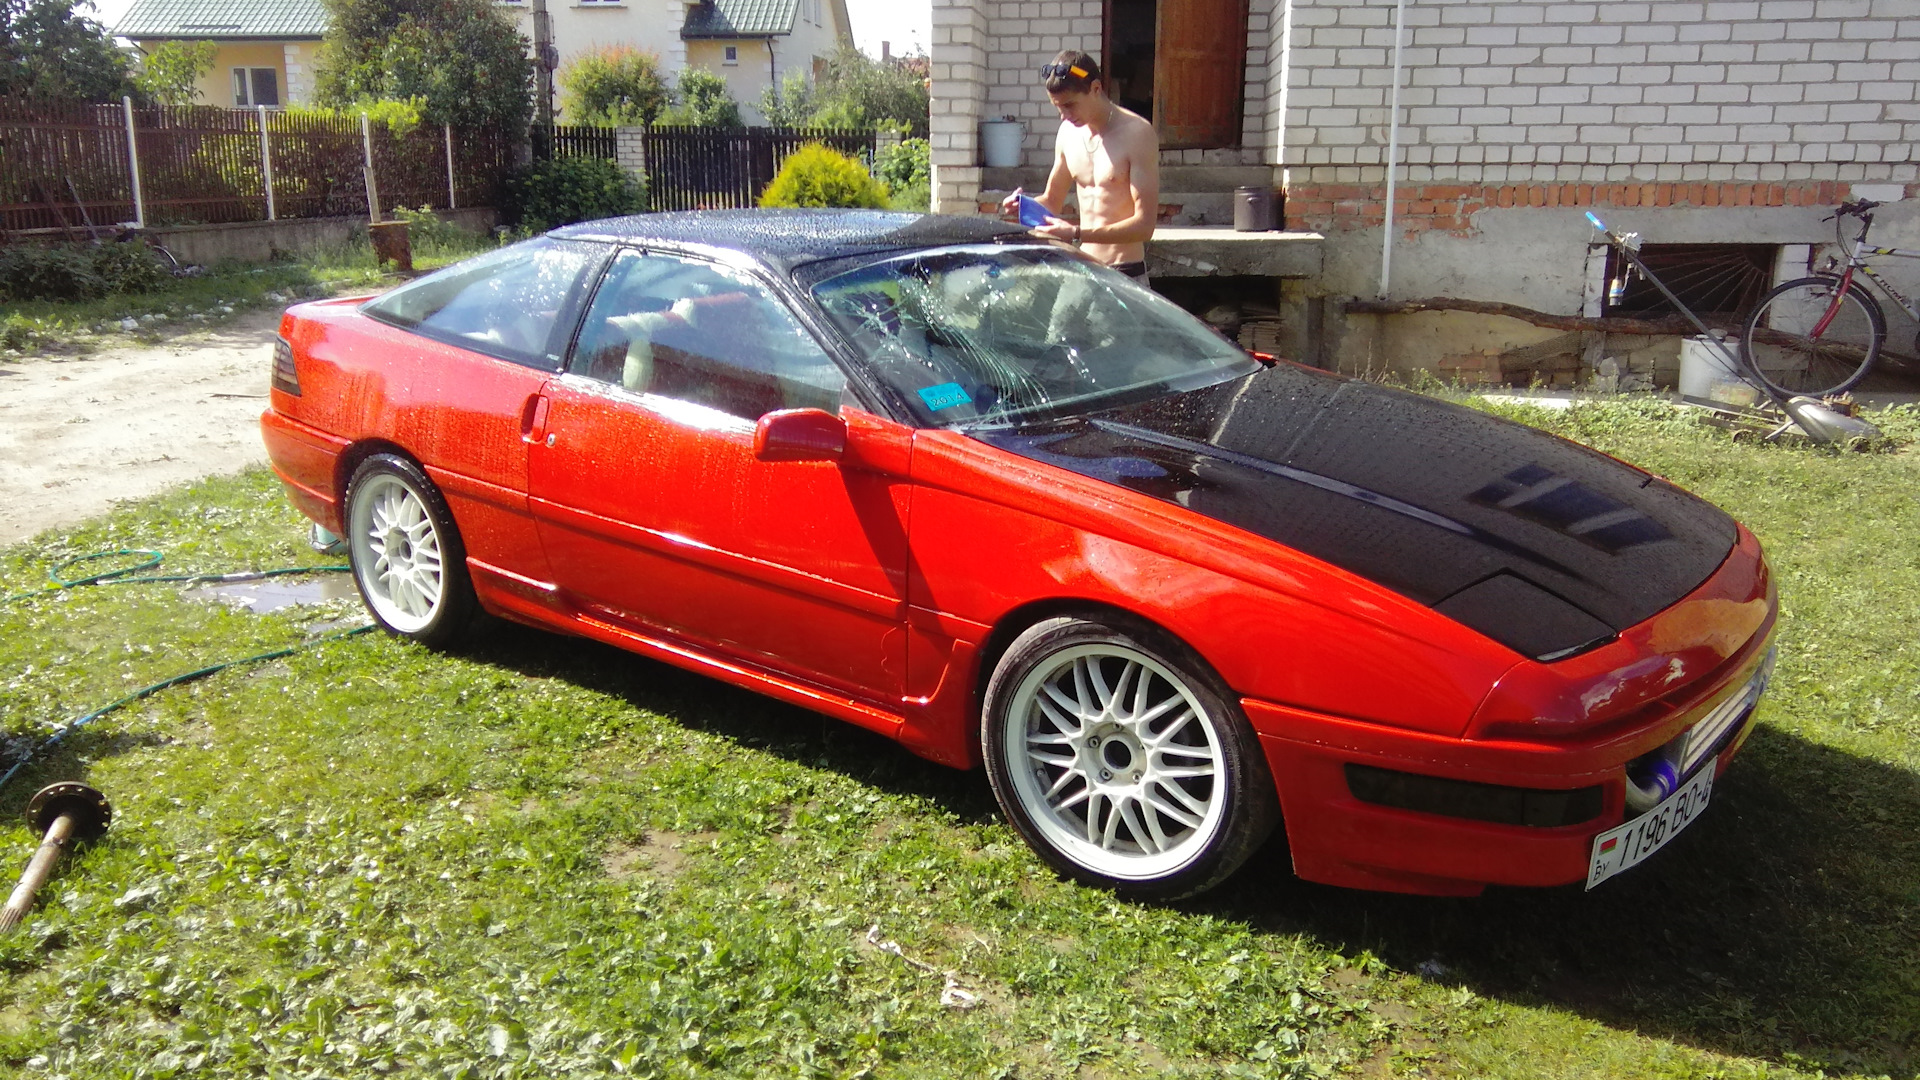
257	241
1175	252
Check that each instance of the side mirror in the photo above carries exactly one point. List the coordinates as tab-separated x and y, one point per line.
799	435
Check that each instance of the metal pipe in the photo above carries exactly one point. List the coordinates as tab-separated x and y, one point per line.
133	162
266	161
1393	146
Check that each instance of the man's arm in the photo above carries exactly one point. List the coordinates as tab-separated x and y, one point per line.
1143	180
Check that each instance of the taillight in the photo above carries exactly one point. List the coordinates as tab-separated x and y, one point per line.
285	377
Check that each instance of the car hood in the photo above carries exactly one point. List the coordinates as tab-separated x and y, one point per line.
1541	544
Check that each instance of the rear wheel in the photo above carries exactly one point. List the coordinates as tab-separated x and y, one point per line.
406	552
1121	760
1808	337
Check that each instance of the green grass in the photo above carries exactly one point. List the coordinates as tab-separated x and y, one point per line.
542	857
30	329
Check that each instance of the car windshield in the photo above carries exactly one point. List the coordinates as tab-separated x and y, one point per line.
971	336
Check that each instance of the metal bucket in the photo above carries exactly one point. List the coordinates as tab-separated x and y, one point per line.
1252	209
1000	142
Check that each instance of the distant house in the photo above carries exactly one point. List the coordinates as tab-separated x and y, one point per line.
266	54
267	47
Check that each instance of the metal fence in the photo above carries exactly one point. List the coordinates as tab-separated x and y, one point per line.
691	168
572	140
63	164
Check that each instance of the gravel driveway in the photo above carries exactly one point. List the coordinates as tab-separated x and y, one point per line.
78	434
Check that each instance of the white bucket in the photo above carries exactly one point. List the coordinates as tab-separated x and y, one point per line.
1000	142
1706	376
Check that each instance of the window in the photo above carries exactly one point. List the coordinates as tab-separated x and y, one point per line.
256	86
702	334
733	54
507	304
1708	278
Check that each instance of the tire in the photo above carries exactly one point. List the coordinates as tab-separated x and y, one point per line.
407	558
1121	759
1779	346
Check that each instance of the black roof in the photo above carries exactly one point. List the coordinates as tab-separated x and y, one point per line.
789	238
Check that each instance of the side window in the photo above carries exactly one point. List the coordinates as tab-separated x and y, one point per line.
506	304
704	334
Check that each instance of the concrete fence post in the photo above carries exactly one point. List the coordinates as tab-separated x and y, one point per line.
266	162
630	150
133	165
453	199
373	191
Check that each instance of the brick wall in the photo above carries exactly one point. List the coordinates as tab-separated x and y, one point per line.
1556	91
1450	207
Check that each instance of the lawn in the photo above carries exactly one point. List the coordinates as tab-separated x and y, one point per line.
542	857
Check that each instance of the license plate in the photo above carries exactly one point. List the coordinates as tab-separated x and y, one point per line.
1627	846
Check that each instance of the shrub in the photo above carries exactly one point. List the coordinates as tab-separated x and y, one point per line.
77	271
816	176
705	101
907	169
549	194
614	85
169	71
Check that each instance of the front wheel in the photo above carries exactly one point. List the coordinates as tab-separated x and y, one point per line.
1811	337
406	552
1118	761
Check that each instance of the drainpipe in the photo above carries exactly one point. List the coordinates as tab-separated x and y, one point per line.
1393	146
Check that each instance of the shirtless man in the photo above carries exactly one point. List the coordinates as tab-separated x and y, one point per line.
1112	156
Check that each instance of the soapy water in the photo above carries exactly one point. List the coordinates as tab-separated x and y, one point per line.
261	597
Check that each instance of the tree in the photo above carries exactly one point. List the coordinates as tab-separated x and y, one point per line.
463	59
616	85
48	49
170	73
705	101
858	91
791	102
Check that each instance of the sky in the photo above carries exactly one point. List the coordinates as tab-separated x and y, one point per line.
908	24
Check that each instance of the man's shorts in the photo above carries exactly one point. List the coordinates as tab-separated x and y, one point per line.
1135	270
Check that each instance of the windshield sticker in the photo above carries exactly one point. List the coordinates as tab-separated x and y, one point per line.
945	396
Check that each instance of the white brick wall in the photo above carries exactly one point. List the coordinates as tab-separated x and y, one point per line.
1511	91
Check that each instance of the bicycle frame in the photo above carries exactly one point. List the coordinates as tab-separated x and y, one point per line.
1856	259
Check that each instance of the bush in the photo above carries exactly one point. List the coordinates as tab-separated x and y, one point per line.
907	169
77	271
613	85
705	101
549	194
816	176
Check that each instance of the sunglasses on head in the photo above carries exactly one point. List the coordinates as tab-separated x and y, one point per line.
1062	70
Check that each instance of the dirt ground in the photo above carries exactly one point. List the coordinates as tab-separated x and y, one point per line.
78	433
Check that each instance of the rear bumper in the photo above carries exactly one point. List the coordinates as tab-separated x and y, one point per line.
305	459
1339	839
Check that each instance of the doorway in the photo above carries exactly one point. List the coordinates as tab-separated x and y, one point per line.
1181	64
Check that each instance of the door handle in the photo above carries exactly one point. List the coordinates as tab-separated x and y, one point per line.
533	421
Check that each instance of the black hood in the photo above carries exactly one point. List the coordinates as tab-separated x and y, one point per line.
1541	544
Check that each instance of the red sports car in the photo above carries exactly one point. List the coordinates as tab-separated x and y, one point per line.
942	480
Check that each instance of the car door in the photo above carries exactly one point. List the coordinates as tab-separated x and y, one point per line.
655	512
454	373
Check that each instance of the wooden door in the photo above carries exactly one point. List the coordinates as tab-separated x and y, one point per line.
1199	73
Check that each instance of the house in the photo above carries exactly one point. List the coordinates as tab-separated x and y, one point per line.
267	47
1723	131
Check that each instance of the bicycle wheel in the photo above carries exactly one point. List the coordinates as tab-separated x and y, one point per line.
1809	337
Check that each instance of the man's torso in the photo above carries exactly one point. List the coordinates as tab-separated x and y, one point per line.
1102	167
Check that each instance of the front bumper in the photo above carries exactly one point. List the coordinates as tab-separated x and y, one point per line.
1340	838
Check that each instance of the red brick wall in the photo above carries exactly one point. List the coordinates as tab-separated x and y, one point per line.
1450	208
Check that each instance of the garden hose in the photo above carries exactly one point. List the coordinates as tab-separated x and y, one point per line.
149	559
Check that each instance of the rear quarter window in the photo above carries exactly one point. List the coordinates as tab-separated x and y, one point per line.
516	303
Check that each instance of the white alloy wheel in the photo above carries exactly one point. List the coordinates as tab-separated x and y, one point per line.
394	538
1122	768
406	553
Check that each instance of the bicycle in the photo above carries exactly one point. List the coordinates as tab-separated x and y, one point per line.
1819	335
1824	424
